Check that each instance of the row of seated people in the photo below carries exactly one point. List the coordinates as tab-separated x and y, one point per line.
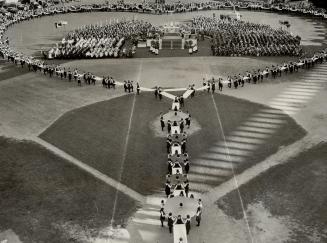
8	18
98	41
235	37
242	50
87	48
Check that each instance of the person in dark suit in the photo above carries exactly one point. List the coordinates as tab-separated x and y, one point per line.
162	123
113	83
188	224
167	188
125	86
235	83
70	76
186	166
198	216
169	126
255	77
181	101
181	125
220	85
170	166
239	79
168	144
183	146
193	92
104	82
162	217
93	79
131	86
138	88
156	92
186	187
170	222
213	87
189	120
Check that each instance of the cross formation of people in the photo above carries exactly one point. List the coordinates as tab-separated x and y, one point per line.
178	166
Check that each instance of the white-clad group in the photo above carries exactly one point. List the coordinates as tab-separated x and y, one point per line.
98	41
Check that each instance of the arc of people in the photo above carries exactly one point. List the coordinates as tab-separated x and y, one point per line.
238	80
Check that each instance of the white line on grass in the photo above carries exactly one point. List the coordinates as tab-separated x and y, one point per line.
126	145
229	158
97	174
232	168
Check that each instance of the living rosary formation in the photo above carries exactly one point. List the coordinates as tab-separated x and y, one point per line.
180	206
69	103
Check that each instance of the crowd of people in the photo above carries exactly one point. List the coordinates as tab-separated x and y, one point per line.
8	19
178	166
258	75
98	41
232	37
247	39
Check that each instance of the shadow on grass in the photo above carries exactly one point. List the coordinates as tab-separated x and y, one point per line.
46	199
96	135
296	190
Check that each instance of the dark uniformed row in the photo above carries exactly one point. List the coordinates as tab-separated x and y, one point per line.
178	167
273	72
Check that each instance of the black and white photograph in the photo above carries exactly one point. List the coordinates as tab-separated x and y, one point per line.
163	121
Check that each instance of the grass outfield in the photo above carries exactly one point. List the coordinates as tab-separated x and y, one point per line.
9	70
295	192
46	199
96	135
233	112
